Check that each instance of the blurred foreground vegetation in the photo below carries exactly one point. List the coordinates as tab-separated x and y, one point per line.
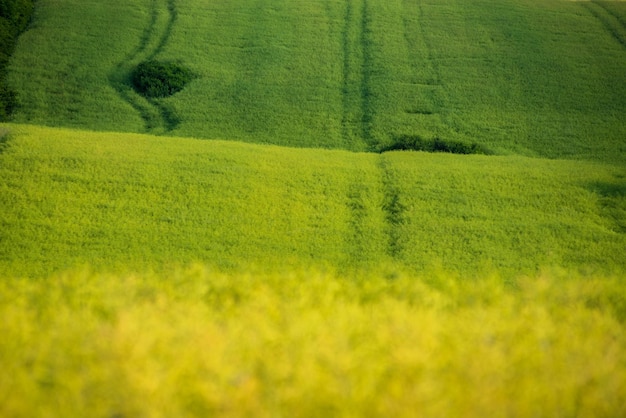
198	342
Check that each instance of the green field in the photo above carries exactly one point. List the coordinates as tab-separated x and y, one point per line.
135	201
535	78
250	246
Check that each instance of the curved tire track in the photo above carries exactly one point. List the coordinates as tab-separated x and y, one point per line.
157	116
612	22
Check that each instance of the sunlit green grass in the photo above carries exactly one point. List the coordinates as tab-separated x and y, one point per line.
145	272
128	201
202	343
537	78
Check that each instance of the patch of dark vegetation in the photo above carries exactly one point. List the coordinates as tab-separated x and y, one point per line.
15	15
612	201
419	112
394	208
154	79
417	143
4	139
615	189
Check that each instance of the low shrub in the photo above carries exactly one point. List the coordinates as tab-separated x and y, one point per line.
17	13
417	143
160	79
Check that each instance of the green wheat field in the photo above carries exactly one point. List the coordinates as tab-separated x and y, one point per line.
273	240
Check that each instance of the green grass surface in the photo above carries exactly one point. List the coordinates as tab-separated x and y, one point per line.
130	201
205	257
537	78
199	343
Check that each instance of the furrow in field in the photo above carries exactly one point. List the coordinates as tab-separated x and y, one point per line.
158	117
424	82
356	200
612	22
356	118
366	108
350	77
4	139
425	72
394	209
613	8
172	14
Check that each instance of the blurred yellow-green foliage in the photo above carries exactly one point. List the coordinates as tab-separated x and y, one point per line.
197	342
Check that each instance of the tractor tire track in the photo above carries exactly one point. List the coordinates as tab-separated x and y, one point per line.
378	215
357	111
157	116
356	200
167	33
425	73
416	38
366	93
612	22
394	209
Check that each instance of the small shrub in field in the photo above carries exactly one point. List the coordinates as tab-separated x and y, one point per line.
17	13
417	143
160	79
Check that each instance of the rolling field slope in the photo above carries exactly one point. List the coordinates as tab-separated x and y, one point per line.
128	201
536	78
251	246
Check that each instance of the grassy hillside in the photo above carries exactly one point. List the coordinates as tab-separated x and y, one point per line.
153	270
537	78
129	201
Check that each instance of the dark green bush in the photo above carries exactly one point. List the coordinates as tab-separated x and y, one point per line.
17	12
417	143
160	79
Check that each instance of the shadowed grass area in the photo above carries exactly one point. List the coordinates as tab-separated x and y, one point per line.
416	143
